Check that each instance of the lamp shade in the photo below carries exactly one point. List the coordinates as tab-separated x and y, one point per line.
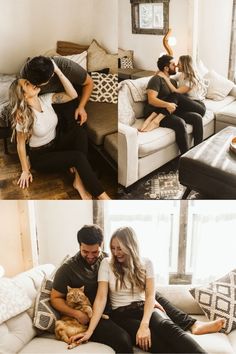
2	271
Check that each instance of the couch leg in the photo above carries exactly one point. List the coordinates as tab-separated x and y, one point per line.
186	193
5	146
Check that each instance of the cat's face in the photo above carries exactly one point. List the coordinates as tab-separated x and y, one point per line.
76	295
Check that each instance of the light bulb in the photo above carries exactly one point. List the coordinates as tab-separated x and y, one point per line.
172	41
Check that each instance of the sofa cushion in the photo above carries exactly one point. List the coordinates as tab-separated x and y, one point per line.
214	343
227	114
218	300
218	87
102	120
98	58
105	87
216	106
111	145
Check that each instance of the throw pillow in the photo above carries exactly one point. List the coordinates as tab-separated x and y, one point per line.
13	299
98	58
68	48
217	300
125	53
219	87
105	88
126	63
45	315
80	59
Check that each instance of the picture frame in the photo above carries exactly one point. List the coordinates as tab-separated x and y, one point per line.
150	16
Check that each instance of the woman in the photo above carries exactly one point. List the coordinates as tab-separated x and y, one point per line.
35	123
189	84
130	282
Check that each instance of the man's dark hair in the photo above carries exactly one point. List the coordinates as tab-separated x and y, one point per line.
38	70
90	235
163	61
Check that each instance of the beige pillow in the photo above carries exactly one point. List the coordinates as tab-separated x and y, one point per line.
98	58
125	53
219	87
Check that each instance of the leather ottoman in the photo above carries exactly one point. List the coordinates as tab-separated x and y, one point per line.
210	167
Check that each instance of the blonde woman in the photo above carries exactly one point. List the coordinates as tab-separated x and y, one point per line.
35	125
190	86
129	280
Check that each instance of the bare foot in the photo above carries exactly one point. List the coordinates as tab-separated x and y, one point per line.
79	186
147	121
207	327
103	196
151	126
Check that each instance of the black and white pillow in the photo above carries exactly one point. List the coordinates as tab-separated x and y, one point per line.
105	88
126	63
218	300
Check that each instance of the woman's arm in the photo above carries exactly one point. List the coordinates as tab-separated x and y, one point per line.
182	89
26	175
98	308
143	336
69	94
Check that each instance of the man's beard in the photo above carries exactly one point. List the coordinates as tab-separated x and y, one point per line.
172	72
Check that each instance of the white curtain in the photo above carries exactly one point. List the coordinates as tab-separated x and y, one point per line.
232	59
213	246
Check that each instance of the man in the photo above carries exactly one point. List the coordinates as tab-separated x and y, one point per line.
82	270
176	107
39	71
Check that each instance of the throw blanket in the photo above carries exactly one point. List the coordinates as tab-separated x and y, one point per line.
138	88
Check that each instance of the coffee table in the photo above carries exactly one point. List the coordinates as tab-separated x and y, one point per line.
210	167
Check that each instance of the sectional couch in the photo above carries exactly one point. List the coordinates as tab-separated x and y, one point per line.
143	152
18	335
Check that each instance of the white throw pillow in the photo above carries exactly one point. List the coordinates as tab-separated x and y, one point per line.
201	68
80	59
13	299
219	87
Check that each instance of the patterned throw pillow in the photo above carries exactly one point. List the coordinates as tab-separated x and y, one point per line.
105	88
45	315
13	299
126	63
218	300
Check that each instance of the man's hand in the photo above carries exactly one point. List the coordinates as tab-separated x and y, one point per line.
81	317
158	306
81	115
171	107
25	178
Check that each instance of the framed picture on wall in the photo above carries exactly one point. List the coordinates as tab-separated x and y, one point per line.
150	16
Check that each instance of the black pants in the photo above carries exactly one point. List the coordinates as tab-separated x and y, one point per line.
167	335
69	150
188	111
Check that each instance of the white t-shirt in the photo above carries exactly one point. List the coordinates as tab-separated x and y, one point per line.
197	92
124	296
45	122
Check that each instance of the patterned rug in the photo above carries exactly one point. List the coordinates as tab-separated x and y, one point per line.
160	184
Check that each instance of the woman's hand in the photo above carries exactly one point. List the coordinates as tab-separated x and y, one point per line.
161	74
158	306
56	68
143	337
24	179
80	338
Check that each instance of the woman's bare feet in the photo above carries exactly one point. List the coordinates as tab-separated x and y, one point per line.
103	196
79	186
147	121
200	327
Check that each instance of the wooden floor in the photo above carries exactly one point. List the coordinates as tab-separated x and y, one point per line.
48	186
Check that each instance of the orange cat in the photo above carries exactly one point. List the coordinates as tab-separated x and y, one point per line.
69	326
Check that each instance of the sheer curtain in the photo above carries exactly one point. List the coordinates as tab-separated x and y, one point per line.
232	59
154	224
213	246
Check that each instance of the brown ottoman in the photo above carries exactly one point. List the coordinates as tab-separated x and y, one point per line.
210	167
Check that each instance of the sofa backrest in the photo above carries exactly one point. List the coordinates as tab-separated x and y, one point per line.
17	331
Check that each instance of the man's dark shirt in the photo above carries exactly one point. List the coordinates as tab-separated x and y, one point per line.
158	84
76	272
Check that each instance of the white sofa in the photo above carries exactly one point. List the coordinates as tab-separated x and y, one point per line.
143	152
18	335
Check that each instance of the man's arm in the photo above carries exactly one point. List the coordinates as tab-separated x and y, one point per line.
157	102
59	303
87	89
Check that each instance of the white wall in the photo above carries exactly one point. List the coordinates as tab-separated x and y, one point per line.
147	47
215	18
31	27
57	225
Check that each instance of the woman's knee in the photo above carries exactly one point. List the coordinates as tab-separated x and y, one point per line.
124	343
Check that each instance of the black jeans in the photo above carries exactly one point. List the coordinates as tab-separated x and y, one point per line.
69	150
167	336
188	111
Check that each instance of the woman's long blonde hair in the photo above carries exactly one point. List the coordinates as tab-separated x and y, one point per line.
188	70
134	270
21	112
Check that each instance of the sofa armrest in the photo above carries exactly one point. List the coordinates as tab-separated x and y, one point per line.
128	155
233	92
